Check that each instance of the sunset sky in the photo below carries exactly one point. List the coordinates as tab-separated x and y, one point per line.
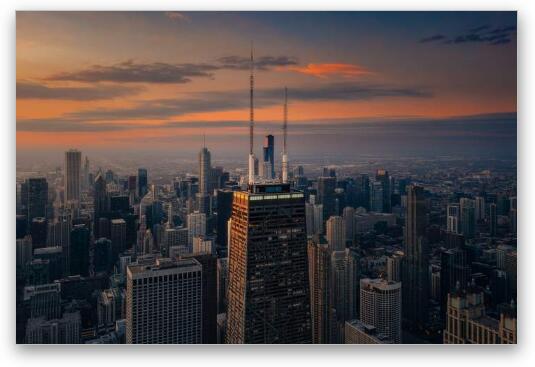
158	81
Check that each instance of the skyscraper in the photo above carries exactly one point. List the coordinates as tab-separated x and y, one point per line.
344	275
79	251
452	217
393	267
164	302
415	265
196	226
142	182
376	196
455	274
205	166
336	233
468	217
349	223
319	260
269	156
479	209
380	306
383	177
37	199
73	163
100	202
326	195
268	294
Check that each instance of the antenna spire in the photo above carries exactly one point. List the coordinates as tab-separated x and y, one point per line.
284	134
251	102
285	124
251	121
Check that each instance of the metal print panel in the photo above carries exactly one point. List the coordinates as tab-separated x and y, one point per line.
266	178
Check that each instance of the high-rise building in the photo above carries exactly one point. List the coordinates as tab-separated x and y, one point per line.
102	255
376	196
383	177
208	262
455	273
142	182
468	217
415	262
380	307
319	261
349	223
85	174
268	295
314	219
453	216
269	157
79	251
196	226
39	232
73	163
205	167
24	251
326	195
37	198
393	267
164	302
336	233
100	202
117	237
224	211
344	287
479	211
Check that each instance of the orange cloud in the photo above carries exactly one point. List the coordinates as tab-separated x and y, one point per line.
322	70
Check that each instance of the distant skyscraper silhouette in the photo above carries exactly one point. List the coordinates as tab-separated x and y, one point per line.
73	162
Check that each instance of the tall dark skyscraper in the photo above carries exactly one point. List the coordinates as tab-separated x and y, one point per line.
383	177
224	211
73	165
326	195
142	182
100	202
79	251
36	200
269	156
455	273
415	267
268	294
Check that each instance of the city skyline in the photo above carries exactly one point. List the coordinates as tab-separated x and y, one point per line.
320	246
393	83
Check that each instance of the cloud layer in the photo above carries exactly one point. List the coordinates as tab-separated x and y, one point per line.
484	34
31	90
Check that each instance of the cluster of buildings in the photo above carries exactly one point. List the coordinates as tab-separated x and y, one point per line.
270	256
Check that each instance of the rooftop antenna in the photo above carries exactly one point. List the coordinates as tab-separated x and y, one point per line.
284	134
251	119
204	140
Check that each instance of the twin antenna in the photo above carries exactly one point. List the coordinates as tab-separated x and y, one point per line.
251	127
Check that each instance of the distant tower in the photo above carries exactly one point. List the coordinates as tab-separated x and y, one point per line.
73	162
284	137
269	157
205	165
251	122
